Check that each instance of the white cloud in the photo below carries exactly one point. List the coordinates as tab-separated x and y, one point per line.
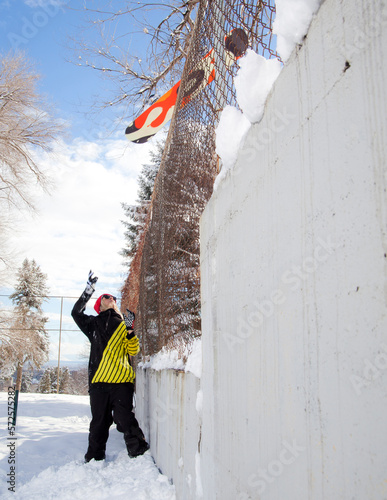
68	352
79	225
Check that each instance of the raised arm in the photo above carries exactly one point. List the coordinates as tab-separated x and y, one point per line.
83	320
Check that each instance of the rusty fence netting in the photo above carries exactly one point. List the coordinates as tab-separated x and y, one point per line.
163	285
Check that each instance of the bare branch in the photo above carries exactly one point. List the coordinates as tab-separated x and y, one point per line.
135	80
25	127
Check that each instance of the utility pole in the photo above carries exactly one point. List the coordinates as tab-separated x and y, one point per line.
60	339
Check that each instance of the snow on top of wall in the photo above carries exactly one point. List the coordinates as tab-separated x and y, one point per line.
232	129
172	359
194	361
253	83
166	359
256	77
291	23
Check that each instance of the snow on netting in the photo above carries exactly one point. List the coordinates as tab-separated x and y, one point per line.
163	285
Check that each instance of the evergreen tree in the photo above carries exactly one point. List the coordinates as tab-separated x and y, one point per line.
26	381
64	381
48	384
136	214
54	380
44	386
31	341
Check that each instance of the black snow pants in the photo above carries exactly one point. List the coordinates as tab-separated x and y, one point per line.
113	402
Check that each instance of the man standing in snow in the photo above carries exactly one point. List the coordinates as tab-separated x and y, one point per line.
111	376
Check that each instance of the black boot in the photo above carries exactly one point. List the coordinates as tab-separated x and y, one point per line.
96	456
140	449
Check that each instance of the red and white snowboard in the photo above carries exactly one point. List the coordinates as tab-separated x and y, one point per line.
160	112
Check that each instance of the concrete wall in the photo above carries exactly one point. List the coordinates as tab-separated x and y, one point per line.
294	290
294	279
169	411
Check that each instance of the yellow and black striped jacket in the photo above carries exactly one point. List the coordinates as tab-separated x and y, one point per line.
110	344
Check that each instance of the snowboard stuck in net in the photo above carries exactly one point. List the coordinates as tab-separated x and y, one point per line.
154	118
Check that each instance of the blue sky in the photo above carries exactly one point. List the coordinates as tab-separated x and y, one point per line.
93	168
41	32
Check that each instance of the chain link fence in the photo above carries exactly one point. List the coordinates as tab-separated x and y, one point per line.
163	285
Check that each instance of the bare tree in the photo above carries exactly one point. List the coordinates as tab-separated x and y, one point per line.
162	29
79	381
26	127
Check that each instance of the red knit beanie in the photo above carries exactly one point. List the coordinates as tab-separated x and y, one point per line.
97	305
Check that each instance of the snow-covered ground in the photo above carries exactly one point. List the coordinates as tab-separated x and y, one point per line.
51	440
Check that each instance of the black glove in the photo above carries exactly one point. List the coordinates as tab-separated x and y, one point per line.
129	318
91	281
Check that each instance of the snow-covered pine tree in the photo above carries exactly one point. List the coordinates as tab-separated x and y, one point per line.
45	384
49	382
64	380
31	341
136	214
54	380
26	381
